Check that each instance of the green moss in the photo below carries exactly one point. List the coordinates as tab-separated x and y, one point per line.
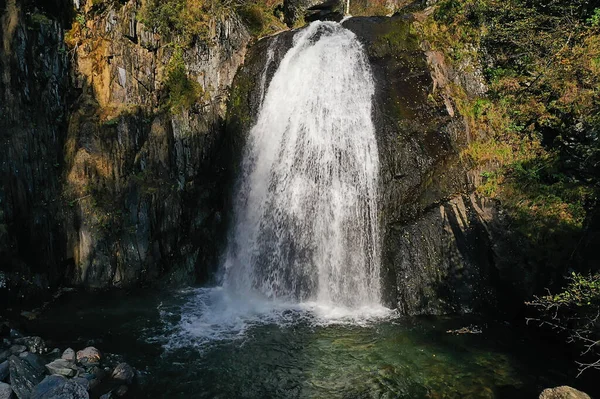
184	20
182	90
369	8
260	19
111	122
396	39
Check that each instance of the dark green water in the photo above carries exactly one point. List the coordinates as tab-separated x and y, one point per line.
294	355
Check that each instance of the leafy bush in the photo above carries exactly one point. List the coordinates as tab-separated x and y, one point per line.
260	19
575	313
182	90
595	18
185	19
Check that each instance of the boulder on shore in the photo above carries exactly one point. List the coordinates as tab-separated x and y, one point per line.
56	386
5	391
69	354
123	372
23	377
89	355
564	392
61	367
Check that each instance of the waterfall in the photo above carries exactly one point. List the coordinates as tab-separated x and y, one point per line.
305	226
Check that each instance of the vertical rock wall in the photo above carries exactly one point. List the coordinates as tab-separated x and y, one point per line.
102	184
34	83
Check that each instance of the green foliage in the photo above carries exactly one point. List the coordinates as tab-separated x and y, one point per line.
594	20
184	19
260	19
581	291
539	126
254	17
182	90
111	122
37	20
80	19
574	313
187	20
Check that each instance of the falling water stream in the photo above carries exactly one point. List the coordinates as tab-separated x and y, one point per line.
305	242
306	213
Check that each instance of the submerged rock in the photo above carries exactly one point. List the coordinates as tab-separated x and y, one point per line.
123	372
563	392
58	387
5	391
23	377
89	355
62	367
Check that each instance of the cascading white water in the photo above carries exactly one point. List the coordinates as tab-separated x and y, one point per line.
305	245
306	213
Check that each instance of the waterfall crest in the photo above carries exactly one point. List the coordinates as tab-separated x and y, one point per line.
305	225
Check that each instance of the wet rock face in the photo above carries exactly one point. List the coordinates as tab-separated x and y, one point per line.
34	84
437	255
102	183
442	262
146	181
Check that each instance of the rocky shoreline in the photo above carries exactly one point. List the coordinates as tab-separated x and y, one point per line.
29	369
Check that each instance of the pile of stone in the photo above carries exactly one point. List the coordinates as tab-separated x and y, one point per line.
28	370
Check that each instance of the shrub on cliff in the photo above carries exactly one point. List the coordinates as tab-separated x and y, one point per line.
186	20
575	313
183	91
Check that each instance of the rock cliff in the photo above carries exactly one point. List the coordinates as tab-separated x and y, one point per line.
102	183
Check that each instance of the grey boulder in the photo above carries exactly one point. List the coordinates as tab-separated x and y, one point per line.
61	367
16	349
23	377
563	392
5	391
58	387
123	372
69	354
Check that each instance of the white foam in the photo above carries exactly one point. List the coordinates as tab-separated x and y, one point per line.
212	315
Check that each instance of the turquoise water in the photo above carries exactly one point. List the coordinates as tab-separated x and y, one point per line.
295	353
